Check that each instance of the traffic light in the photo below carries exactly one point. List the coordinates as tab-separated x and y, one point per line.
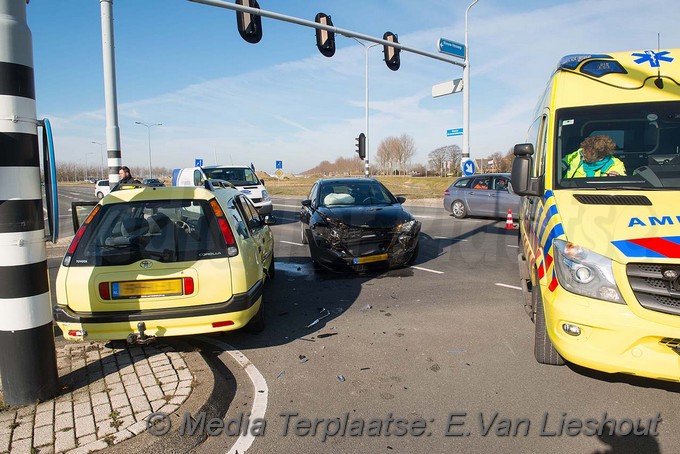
361	145
325	40
249	25
391	53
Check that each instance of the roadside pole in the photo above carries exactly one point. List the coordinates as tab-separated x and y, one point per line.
466	91
110	96
28	360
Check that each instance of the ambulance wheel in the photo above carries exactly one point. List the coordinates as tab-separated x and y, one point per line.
458	209
544	350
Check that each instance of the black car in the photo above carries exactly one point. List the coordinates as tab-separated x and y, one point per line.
152	182
357	223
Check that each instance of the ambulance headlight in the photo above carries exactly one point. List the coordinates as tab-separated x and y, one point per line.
584	272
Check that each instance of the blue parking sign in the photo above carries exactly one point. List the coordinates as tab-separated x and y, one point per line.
198	162
279	164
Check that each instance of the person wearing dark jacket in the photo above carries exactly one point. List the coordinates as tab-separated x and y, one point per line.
126	178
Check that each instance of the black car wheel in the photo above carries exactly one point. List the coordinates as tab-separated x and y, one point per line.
303	237
458	209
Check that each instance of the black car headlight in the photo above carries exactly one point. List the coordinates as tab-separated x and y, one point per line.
407	231
406	227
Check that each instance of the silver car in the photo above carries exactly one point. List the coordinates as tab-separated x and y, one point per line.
481	195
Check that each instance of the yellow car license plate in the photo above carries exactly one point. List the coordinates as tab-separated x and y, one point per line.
370	259
136	289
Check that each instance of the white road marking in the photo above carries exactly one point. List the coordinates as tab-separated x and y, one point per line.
290	242
288	206
427	269
449	238
508	286
513	245
243	442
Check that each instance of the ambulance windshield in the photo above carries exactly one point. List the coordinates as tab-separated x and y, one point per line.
627	146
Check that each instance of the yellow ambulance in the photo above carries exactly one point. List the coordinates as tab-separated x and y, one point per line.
600	221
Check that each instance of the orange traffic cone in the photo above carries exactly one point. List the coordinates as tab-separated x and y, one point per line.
508	221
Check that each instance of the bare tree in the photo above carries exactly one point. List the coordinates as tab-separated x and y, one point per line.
407	148
388	154
438	158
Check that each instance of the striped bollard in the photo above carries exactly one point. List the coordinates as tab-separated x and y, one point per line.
28	362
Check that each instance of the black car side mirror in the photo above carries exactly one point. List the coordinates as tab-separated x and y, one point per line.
306	203
401	199
270	219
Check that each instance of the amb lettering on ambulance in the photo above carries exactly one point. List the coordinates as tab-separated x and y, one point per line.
600	250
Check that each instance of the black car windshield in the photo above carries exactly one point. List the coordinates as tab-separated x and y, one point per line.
161	230
631	146
235	175
353	193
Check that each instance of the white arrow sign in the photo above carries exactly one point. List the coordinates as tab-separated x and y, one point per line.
447	88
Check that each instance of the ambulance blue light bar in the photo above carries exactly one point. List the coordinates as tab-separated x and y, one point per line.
572	61
595	65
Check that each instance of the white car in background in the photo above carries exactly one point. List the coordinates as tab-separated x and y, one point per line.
101	188
242	177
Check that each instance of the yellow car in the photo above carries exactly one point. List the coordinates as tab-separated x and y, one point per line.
165	261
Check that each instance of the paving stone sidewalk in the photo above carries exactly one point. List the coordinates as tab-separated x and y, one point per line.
107	392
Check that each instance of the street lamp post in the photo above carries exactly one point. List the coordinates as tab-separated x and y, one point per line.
366	48
101	153
466	90
148	128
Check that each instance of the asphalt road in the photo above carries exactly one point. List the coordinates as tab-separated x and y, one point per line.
446	336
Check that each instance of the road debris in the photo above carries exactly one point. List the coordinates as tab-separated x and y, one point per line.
321	336
281	374
323	313
340	378
303	359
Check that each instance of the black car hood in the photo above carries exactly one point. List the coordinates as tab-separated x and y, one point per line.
372	216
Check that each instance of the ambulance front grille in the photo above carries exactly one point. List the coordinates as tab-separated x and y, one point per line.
653	290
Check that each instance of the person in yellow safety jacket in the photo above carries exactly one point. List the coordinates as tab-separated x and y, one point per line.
594	159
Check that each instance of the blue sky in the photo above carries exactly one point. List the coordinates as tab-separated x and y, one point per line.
221	99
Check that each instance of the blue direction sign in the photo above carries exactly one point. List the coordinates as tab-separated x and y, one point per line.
454	132
279	164
468	166
198	162
446	46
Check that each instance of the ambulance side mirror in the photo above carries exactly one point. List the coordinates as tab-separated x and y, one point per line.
520	178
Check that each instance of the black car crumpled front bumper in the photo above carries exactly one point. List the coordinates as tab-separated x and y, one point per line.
338	245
